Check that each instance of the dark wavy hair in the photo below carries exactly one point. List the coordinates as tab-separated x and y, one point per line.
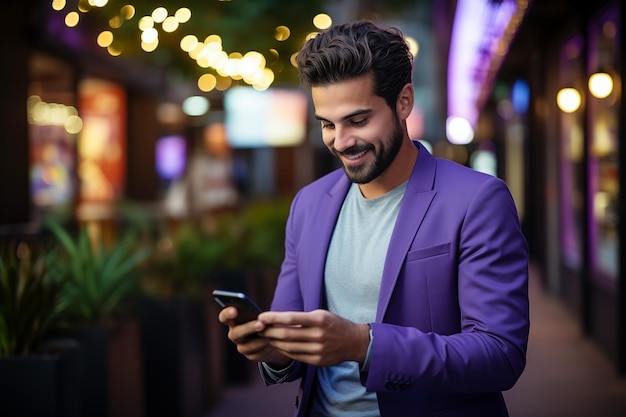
350	50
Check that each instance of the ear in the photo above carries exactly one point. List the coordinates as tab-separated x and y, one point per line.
404	104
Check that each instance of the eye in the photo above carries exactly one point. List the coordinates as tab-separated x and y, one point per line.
358	122
327	125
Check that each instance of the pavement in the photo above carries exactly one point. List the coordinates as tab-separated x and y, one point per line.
567	375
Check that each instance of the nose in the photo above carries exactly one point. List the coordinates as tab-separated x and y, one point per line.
343	139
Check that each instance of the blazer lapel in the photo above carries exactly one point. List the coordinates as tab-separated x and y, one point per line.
418	197
323	226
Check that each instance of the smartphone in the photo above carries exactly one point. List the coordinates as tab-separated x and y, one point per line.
248	310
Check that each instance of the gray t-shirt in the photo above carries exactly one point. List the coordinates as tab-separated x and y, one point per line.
354	267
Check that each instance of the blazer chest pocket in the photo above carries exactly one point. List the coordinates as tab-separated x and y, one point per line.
429	252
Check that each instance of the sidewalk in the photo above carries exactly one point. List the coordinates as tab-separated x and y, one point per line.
566	375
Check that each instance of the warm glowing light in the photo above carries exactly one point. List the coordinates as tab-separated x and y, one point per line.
116	22
150	46
170	24
188	42
53	114
322	21
145	22
414	46
230	67
213	39
98	3
72	19
196	50
223	83
105	38
265	80
601	85
183	15
113	51
207	82
58	5
282	33
203	61
252	61
459	131
159	14
568	100
149	35
128	12
73	124
311	35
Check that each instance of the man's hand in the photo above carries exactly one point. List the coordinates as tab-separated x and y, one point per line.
318	337
249	342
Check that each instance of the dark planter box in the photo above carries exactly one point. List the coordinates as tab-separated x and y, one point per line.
174	364
110	366
41	386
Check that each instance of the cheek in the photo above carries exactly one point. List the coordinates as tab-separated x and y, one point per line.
328	137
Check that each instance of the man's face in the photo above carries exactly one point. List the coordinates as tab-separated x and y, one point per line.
358	127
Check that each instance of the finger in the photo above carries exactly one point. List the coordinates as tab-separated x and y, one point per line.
254	346
302	352
292	348
242	332
228	315
293	333
291	318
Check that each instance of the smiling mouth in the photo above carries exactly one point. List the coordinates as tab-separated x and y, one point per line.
354	153
354	156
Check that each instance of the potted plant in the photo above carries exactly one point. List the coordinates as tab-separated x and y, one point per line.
183	370
262	247
100	279
39	378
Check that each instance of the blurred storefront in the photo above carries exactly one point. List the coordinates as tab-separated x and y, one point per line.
570	56
55	157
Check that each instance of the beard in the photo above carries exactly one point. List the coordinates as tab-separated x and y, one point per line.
383	157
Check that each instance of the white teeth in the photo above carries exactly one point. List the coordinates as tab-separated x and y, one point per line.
356	156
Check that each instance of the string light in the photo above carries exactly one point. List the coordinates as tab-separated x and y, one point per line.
250	66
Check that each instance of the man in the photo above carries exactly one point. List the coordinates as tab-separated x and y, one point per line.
404	289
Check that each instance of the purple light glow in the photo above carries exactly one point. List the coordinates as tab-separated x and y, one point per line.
479	26
171	156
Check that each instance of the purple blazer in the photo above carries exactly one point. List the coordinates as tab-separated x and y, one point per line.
452	322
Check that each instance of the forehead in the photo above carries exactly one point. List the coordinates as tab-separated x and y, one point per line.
334	101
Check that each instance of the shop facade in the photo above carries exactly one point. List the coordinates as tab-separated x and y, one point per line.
572	136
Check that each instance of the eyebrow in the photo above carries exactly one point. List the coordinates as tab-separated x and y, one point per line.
359	112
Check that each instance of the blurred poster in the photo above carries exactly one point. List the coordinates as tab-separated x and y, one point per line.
53	123
51	165
102	141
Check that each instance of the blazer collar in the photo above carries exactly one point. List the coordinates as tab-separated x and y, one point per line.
417	199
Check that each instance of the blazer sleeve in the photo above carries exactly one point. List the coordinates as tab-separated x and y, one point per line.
287	295
488	353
